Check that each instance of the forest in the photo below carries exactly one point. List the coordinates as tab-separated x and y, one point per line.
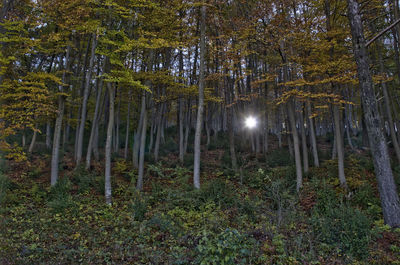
199	132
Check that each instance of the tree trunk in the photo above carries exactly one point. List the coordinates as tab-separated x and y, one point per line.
180	113
86	91
95	125
231	138
142	144
33	141
339	145
58	125
304	144
158	135
387	187
48	135
136	143
313	138
128	119
107	182
199	121
388	110
181	134
296	144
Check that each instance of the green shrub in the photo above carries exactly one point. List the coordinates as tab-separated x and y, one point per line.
221	192
227	247
60	198
188	161
279	158
326	196
35	172
3	165
257	180
344	229
3	188
170	146
83	179
139	207
156	169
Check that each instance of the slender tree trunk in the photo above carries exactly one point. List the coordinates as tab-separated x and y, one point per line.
117	125
58	125
181	133
387	187
232	140
107	182
33	141
199	122
158	135
304	144
142	144
48	135
95	126
187	129
136	141
128	118
180	113
86	91
313	138
388	110
339	145
296	145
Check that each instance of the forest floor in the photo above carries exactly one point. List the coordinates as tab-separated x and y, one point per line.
255	218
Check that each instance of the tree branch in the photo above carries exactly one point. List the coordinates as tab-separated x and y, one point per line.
382	32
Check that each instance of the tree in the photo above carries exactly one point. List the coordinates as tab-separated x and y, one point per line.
200	105
387	187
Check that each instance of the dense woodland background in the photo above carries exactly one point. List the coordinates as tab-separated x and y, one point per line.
123	137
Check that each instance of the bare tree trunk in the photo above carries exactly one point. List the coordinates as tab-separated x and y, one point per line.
199	122
33	141
158	135
387	187
86	91
107	182
117	125
304	144
388	110
296	144
139	185
339	145
187	129
313	138
180	113
95	126
231	136
58	125
48	135
136	141
128	119
181	134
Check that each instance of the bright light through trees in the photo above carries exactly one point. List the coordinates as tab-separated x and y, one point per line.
251	122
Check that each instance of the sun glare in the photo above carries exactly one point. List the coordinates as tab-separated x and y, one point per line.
251	122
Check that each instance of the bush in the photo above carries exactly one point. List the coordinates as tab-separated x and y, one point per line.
139	207
3	187
3	165
279	158
345	229
83	179
60	197
257	180
227	247
170	146
218	191
188	161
